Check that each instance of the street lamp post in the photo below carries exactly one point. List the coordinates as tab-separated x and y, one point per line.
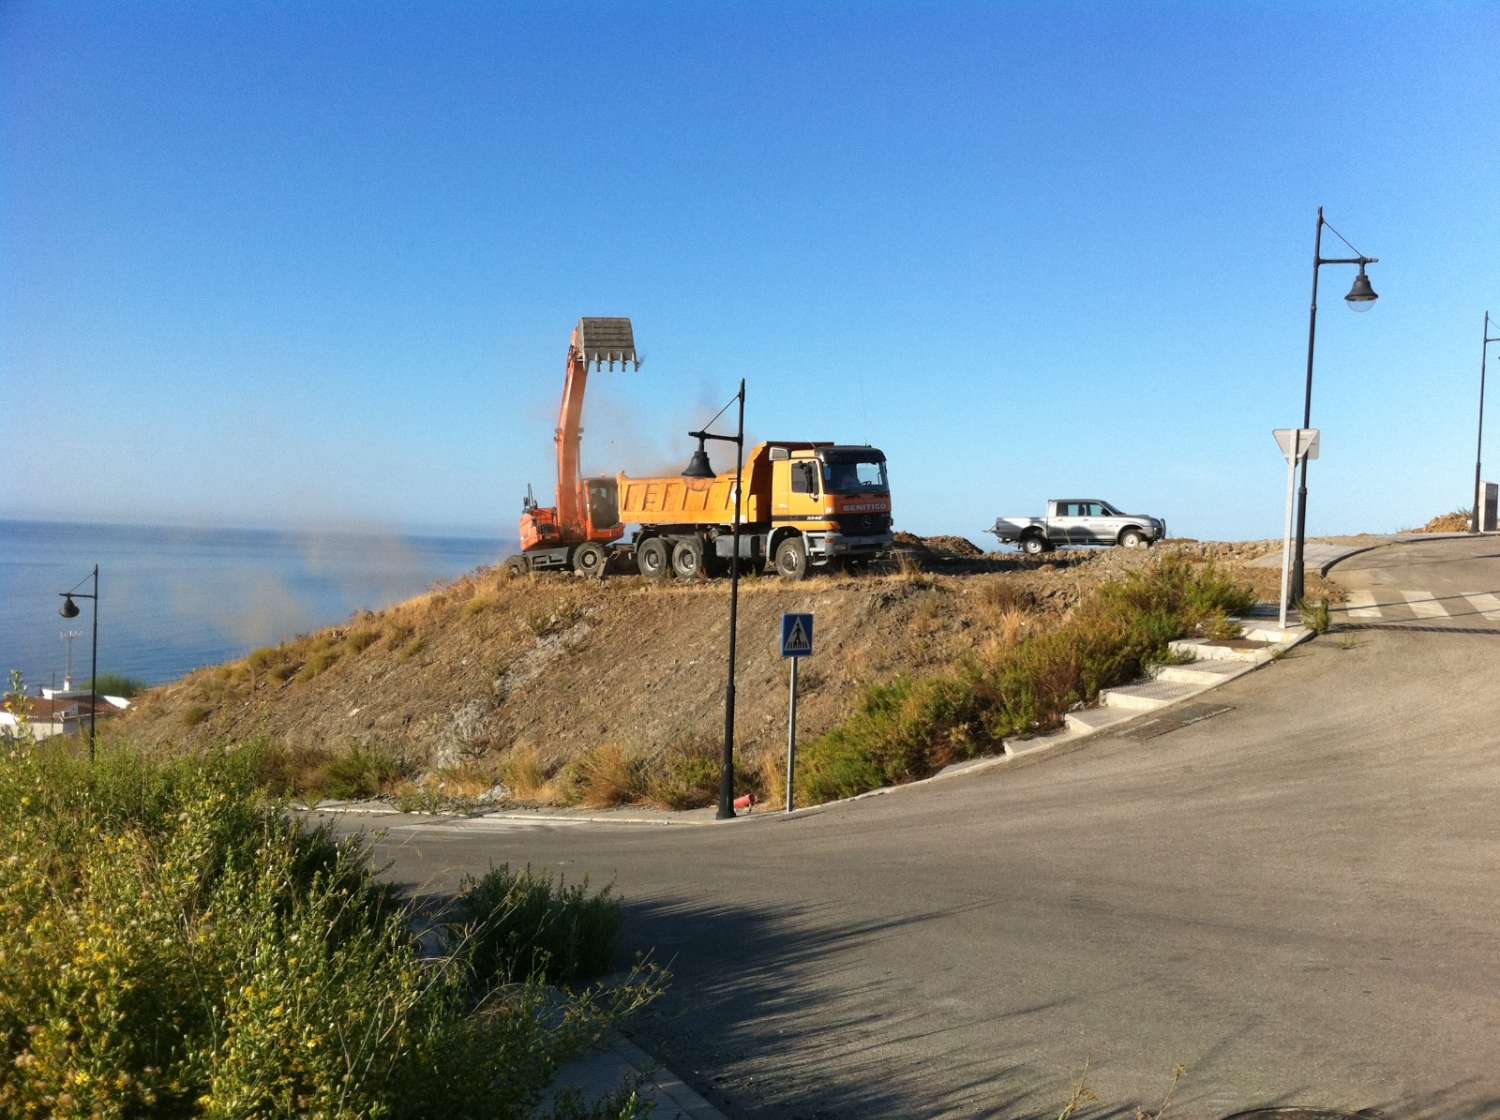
1479	446
698	468
1361	297
69	609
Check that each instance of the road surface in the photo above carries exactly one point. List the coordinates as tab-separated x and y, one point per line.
1298	900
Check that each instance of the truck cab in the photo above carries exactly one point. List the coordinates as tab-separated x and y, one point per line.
828	501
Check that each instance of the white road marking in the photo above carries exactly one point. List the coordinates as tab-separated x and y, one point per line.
1485	603
1423	605
1362	605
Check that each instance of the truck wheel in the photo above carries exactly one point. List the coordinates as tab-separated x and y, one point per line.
652	559
1033	546
589	559
1132	538
516	565
687	558
791	558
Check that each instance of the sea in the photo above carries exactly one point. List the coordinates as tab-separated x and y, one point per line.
172	599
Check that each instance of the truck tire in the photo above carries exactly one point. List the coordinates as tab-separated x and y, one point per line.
687	558
1033	545
791	558
517	566
589	559
652	558
1133	538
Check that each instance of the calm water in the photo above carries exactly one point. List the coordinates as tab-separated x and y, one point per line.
173	599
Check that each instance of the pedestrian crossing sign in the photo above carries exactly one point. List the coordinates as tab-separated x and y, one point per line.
796	635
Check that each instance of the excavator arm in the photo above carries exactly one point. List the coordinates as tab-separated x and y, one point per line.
596	342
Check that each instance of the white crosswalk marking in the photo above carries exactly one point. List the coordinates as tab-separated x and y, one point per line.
1362	605
1423	605
1485	603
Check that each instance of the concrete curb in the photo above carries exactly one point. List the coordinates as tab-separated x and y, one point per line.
617	1062
380	809
1398	538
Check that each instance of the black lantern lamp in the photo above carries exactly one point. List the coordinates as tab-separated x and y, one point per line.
698	466
1361	296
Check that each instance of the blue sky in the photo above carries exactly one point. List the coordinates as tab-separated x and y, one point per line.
275	264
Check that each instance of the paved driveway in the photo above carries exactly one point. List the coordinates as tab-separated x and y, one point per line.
1297	899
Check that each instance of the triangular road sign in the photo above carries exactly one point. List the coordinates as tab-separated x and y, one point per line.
796	635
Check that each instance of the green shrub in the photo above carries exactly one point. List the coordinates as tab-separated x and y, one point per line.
173	945
360	772
521	925
908	729
117	684
1317	617
685	776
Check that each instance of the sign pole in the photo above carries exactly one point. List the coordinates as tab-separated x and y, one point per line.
791	739
1286	537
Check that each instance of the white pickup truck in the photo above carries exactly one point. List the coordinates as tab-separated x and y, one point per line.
1071	522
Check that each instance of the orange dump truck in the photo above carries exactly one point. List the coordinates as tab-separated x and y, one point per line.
806	505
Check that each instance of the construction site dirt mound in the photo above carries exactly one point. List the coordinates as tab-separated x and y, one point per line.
554	665
1455	522
941	545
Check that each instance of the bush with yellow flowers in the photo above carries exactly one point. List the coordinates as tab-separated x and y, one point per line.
172	944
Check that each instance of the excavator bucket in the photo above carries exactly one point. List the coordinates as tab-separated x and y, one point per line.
607	340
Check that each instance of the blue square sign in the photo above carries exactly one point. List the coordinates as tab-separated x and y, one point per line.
796	635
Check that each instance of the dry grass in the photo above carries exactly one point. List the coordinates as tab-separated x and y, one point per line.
524	773
194	714
608	775
467	781
769	767
317	664
362	639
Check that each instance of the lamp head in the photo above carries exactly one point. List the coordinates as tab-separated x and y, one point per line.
69	608
1361	296
698	466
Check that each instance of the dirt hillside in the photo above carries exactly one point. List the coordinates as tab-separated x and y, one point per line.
467	680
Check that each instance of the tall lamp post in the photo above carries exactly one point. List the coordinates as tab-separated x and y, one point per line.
1361	297
1479	446
698	468
69	609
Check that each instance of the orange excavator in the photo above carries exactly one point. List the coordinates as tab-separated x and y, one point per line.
573	534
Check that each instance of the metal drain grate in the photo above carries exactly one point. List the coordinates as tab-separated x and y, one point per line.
1177	718
1305	1114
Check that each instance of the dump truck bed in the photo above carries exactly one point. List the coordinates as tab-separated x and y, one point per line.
680	501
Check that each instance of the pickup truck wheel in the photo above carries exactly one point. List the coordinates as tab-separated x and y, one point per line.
652	558
589	560
791	558
687	558
1132	538
1034	546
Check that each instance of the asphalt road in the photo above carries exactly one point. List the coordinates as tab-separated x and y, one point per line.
1296	899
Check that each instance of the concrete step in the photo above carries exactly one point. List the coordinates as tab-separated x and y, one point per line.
1230	649
1268	631
1146	696
1202	672
1092	719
